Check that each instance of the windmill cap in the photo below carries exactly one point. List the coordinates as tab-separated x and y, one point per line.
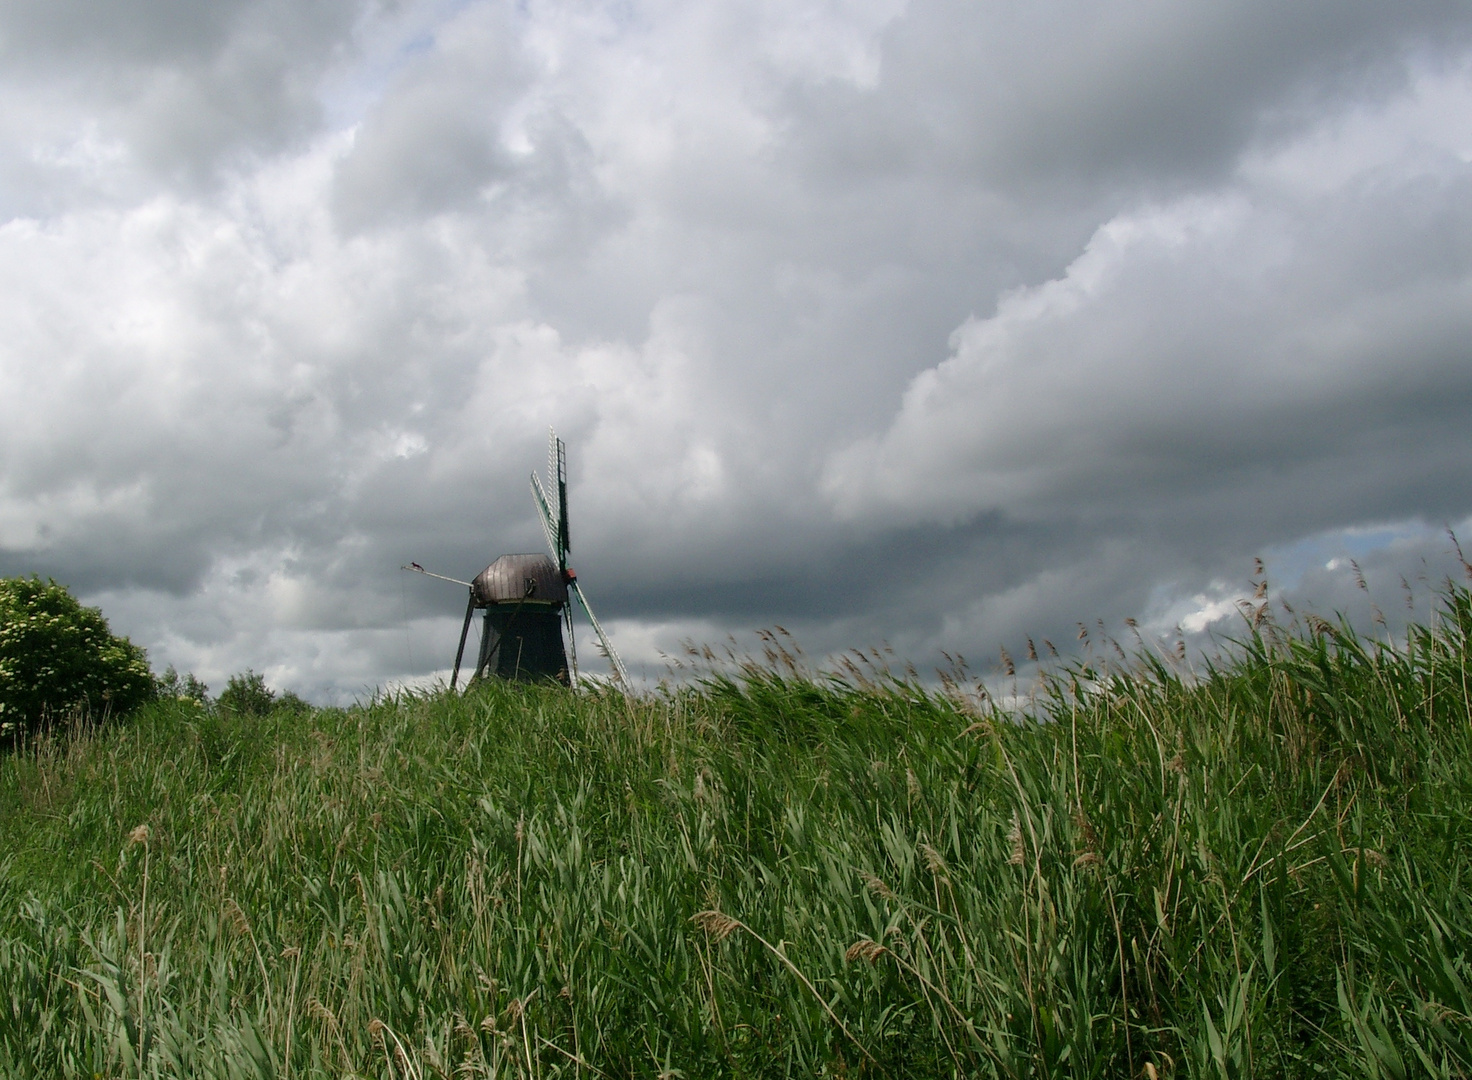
515	579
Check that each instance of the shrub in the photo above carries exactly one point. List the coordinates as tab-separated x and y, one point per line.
182	687
59	659
247	694
292	704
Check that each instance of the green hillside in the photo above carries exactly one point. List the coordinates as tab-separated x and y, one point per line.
1258	870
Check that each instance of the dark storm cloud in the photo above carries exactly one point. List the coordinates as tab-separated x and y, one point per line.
141	31
1080	96
933	323
1205	382
157	92
1221	349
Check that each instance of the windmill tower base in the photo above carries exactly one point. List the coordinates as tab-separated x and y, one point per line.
522	642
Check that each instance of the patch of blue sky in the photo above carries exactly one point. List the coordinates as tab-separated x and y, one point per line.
385	46
1329	550
1317	572
623	13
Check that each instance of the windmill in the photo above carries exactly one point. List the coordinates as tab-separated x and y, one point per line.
528	598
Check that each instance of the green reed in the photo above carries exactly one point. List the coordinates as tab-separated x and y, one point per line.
1256	869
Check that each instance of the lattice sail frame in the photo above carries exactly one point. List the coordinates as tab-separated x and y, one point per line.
553	516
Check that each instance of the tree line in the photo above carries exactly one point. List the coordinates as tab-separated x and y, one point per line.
61	664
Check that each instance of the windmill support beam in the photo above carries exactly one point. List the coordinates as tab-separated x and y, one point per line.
464	632
489	639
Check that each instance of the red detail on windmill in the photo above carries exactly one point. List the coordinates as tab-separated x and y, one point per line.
569	575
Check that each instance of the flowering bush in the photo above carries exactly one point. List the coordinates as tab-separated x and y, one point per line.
59	659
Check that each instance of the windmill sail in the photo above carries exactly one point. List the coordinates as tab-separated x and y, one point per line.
553	516
564	538
572	644
552	532
607	646
544	514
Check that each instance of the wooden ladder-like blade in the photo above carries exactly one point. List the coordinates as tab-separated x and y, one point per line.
545	516
606	646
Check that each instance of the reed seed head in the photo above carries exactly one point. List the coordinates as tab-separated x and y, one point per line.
1373	857
322	1012
717	924
1014	840
236	916
877	887
934	862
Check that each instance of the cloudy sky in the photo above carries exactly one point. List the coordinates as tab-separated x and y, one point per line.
931	323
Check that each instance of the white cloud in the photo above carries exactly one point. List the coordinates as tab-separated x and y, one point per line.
927	322
1193	344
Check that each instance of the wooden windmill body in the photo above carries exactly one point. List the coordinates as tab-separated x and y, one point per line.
527	600
524	598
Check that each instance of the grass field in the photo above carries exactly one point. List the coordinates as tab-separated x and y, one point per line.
1261	869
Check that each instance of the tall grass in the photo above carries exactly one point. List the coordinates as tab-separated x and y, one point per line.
1259	870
